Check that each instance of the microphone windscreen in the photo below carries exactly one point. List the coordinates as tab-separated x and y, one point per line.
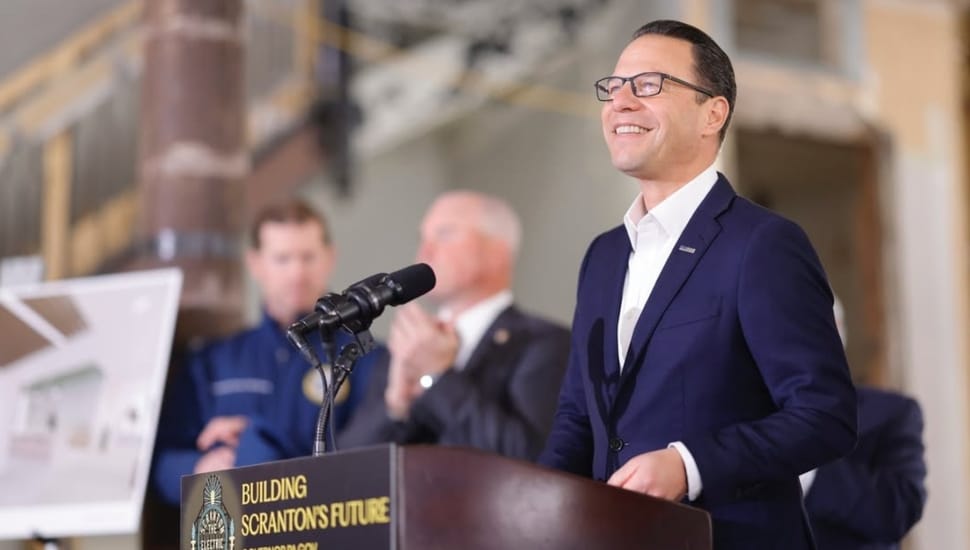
411	282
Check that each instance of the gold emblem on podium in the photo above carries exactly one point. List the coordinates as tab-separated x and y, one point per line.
213	528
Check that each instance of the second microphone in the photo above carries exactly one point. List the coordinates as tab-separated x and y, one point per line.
355	308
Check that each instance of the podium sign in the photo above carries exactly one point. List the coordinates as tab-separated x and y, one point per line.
299	504
425	498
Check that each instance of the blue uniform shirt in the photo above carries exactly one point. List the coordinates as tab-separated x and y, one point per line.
257	374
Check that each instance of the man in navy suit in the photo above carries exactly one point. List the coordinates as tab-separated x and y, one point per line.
477	371
705	361
870	499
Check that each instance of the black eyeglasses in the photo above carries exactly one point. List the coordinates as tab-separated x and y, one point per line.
643	85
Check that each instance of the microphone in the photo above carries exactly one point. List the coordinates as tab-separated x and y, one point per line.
362	302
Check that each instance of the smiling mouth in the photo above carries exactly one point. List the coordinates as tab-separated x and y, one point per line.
627	129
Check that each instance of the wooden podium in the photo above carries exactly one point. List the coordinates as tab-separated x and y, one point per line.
425	498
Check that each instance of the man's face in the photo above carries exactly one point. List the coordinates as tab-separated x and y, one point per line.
650	138
292	268
454	246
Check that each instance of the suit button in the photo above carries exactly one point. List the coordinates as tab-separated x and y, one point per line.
616	444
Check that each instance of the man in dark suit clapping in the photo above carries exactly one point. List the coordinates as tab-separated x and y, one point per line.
476	372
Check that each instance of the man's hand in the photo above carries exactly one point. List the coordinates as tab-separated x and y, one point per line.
222	429
421	343
659	474
220	458
402	389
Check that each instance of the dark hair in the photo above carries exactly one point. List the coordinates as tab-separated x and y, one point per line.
293	211
712	65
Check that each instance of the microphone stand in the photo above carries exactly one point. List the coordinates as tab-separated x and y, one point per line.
341	367
353	311
320	432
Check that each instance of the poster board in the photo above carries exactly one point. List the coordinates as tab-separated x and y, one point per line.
82	373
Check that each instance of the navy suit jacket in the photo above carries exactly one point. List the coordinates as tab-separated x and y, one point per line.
503	400
871	498
735	354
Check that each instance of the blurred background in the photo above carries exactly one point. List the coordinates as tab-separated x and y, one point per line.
142	133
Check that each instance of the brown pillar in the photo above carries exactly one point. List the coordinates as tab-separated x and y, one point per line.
193	159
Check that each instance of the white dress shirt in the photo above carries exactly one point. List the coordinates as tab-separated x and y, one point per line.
474	321
806	480
653	235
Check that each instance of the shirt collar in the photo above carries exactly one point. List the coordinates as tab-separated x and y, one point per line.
269	324
474	321
675	211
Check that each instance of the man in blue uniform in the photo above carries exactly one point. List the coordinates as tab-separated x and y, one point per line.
252	398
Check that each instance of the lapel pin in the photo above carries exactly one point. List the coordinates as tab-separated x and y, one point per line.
687	249
501	336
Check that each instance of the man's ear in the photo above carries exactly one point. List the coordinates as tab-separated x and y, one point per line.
717	114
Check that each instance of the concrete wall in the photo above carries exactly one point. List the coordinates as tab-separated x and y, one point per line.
915	65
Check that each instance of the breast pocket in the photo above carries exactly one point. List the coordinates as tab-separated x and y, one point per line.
686	312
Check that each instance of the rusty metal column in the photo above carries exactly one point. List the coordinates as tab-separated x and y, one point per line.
193	159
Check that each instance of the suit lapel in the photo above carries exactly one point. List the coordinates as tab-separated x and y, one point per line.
618	255
494	341
697	236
